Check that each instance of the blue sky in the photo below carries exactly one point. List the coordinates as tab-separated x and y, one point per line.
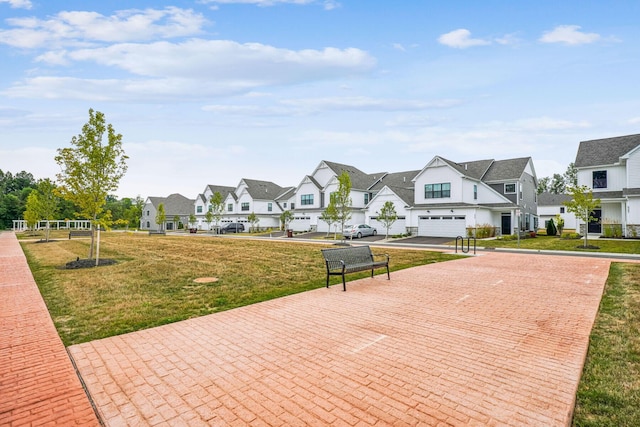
210	92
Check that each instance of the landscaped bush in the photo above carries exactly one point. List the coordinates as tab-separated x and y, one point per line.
482	231
508	237
571	236
612	230
551	228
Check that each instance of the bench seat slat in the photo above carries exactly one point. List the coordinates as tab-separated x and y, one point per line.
340	261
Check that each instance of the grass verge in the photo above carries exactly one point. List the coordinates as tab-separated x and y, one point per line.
628	246
609	390
153	282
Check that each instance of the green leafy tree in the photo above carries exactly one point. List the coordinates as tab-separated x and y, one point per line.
285	218
387	216
192	220
543	184
47	203
176	222
133	213
341	199
330	216
582	204
557	185
253	220
161	216
208	218
559	224
32	212
571	176
92	169
217	205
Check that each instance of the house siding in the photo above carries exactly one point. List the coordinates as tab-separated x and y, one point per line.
633	168
616	178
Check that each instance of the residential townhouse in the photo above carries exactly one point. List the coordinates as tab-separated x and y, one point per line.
177	210
202	204
550	205
265	199
610	167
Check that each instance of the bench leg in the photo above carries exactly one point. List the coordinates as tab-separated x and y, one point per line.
344	284
388	275
372	273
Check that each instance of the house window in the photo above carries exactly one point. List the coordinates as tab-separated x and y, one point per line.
599	179
269	207
437	191
284	205
230	207
510	188
148	224
475	192
244	206
293	206
198	209
148	213
561	209
306	199
367	197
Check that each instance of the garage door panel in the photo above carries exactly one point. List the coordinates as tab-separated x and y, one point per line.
398	227
441	226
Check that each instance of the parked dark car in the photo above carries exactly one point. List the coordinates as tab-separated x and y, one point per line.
233	227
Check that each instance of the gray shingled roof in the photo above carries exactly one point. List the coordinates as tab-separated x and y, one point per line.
285	194
174	204
605	151
474	169
262	190
395	179
359	179
551	199
405	193
502	170
222	189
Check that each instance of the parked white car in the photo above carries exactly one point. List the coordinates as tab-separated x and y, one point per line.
358	231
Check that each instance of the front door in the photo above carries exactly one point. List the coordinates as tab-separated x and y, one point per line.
506	225
595	225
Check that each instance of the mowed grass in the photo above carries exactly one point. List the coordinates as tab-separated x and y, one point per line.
541	242
609	390
153	282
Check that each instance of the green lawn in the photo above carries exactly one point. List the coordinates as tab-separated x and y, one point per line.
541	242
153	281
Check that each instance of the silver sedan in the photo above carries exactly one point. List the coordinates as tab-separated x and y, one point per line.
358	231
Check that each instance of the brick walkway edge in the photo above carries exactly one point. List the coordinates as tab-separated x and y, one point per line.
38	384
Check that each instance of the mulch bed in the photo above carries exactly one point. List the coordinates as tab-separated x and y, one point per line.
88	263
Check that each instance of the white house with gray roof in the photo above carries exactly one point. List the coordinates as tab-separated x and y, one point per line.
176	206
610	167
202	204
550	205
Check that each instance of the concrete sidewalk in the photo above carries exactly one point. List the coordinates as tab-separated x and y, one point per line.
494	340
38	384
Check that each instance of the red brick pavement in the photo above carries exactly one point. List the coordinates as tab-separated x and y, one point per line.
493	340
38	384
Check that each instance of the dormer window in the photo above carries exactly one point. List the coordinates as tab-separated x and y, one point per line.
599	179
510	188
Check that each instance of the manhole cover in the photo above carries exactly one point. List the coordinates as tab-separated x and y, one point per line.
205	280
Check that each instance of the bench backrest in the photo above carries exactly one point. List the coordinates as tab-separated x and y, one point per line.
350	255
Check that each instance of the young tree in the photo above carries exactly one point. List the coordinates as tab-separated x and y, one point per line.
285	219
217	205
192	220
387	215
176	222
161	216
32	212
582	205
330	216
92	169
253	220
559	224
208	218
48	203
341	199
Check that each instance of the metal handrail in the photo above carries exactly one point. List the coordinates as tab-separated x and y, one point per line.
465	251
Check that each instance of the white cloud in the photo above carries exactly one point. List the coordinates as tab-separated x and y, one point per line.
363	103
634	121
78	28
461	39
399	46
327	4
570	35
18	4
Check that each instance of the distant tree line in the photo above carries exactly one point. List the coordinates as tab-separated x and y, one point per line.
16	189
559	184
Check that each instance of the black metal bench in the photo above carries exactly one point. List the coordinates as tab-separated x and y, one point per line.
80	233
351	259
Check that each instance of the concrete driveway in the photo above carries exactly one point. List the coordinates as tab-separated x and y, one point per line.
491	340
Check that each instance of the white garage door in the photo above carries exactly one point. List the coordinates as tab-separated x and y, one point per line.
442	226
300	223
398	227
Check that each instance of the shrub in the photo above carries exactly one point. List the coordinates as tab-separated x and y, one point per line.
571	236
482	231
551	228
